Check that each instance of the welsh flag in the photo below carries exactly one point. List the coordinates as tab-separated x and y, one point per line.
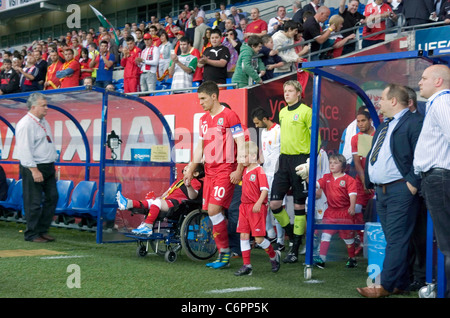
105	23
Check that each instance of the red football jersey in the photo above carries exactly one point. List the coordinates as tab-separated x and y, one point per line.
174	191
370	28
338	190
219	147
253	183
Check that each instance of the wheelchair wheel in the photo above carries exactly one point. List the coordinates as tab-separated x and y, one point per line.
197	236
141	250
170	256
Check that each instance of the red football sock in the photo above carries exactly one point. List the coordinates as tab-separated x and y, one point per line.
152	214
324	245
351	250
220	232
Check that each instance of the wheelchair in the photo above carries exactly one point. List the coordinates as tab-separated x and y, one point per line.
185	227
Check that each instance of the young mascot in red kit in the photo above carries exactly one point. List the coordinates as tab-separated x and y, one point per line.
340	189
253	210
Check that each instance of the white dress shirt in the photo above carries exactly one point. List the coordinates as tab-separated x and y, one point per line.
384	170
433	146
32	145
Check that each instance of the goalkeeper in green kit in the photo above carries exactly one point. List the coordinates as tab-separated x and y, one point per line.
295	139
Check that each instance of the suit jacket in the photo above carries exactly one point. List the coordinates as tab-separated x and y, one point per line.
418	9
402	143
298	16
199	33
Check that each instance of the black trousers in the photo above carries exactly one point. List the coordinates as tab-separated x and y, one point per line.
39	200
435	189
397	209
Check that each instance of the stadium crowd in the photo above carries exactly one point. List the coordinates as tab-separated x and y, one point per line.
247	49
190	49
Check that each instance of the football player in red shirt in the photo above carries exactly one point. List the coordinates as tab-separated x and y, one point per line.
221	140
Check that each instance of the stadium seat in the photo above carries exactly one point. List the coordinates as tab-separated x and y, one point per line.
110	191
15	197
65	188
82	197
10	182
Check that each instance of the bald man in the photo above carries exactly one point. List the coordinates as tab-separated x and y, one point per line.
432	155
313	30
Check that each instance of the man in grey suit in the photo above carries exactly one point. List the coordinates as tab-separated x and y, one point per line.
199	33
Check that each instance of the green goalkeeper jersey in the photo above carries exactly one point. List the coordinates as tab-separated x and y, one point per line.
295	134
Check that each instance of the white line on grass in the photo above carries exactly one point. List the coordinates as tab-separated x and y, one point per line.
66	256
313	281
232	290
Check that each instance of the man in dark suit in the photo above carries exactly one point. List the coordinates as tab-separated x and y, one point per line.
312	7
389	169
417	11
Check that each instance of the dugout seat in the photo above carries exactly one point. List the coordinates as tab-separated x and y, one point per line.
65	188
89	215
82	197
14	200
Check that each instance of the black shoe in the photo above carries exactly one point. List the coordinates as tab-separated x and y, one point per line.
292	256
416	285
278	247
351	263
276	262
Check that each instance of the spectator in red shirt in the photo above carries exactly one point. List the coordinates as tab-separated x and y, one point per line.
376	13
257	26
69	75
132	71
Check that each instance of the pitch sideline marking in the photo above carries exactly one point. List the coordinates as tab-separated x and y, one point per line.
67	256
232	290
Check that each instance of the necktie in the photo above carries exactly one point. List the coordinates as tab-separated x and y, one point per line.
381	137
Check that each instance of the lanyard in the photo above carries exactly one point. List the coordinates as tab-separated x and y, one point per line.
439	95
37	122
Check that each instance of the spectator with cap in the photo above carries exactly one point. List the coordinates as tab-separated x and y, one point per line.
148	62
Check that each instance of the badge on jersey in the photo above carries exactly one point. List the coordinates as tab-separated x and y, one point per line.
342	183
295	117
220	121
253	177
